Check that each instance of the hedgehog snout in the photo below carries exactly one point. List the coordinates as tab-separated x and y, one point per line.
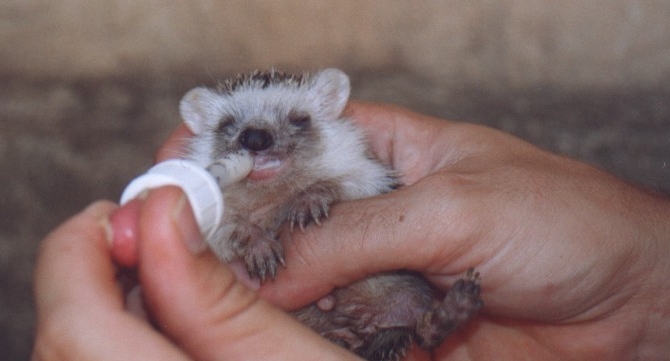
255	139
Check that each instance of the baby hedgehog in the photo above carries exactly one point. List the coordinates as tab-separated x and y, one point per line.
307	156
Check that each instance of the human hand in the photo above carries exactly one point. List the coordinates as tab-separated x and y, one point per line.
571	258
200	309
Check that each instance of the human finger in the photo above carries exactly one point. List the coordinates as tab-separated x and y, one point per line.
60	251
124	224
80	308
199	302
413	144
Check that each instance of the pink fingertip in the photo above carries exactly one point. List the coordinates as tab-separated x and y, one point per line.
124	224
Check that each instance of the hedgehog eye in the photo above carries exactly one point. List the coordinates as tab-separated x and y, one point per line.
300	120
225	124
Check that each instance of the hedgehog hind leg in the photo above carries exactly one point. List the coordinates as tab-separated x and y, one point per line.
389	344
458	306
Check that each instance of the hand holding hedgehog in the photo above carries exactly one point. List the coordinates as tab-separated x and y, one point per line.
575	260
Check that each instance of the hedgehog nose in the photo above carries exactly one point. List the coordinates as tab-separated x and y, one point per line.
256	139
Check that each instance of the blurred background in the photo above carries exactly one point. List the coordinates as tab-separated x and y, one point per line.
88	90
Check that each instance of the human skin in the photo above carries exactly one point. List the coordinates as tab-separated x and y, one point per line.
572	260
200	309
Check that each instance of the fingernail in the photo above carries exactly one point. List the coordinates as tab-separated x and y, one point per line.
187	227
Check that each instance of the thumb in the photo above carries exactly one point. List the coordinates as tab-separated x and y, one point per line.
199	302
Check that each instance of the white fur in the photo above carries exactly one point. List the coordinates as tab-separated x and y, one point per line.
346	160
341	156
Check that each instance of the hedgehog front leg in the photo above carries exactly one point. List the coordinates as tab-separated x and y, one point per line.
260	250
312	204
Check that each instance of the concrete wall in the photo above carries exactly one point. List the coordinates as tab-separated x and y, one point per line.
518	43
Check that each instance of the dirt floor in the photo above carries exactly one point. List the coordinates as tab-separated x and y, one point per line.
64	144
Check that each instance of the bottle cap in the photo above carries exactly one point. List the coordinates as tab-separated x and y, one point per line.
201	188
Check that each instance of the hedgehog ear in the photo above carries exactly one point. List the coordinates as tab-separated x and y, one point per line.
330	88
199	109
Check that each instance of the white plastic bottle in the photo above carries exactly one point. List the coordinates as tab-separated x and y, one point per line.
202	186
